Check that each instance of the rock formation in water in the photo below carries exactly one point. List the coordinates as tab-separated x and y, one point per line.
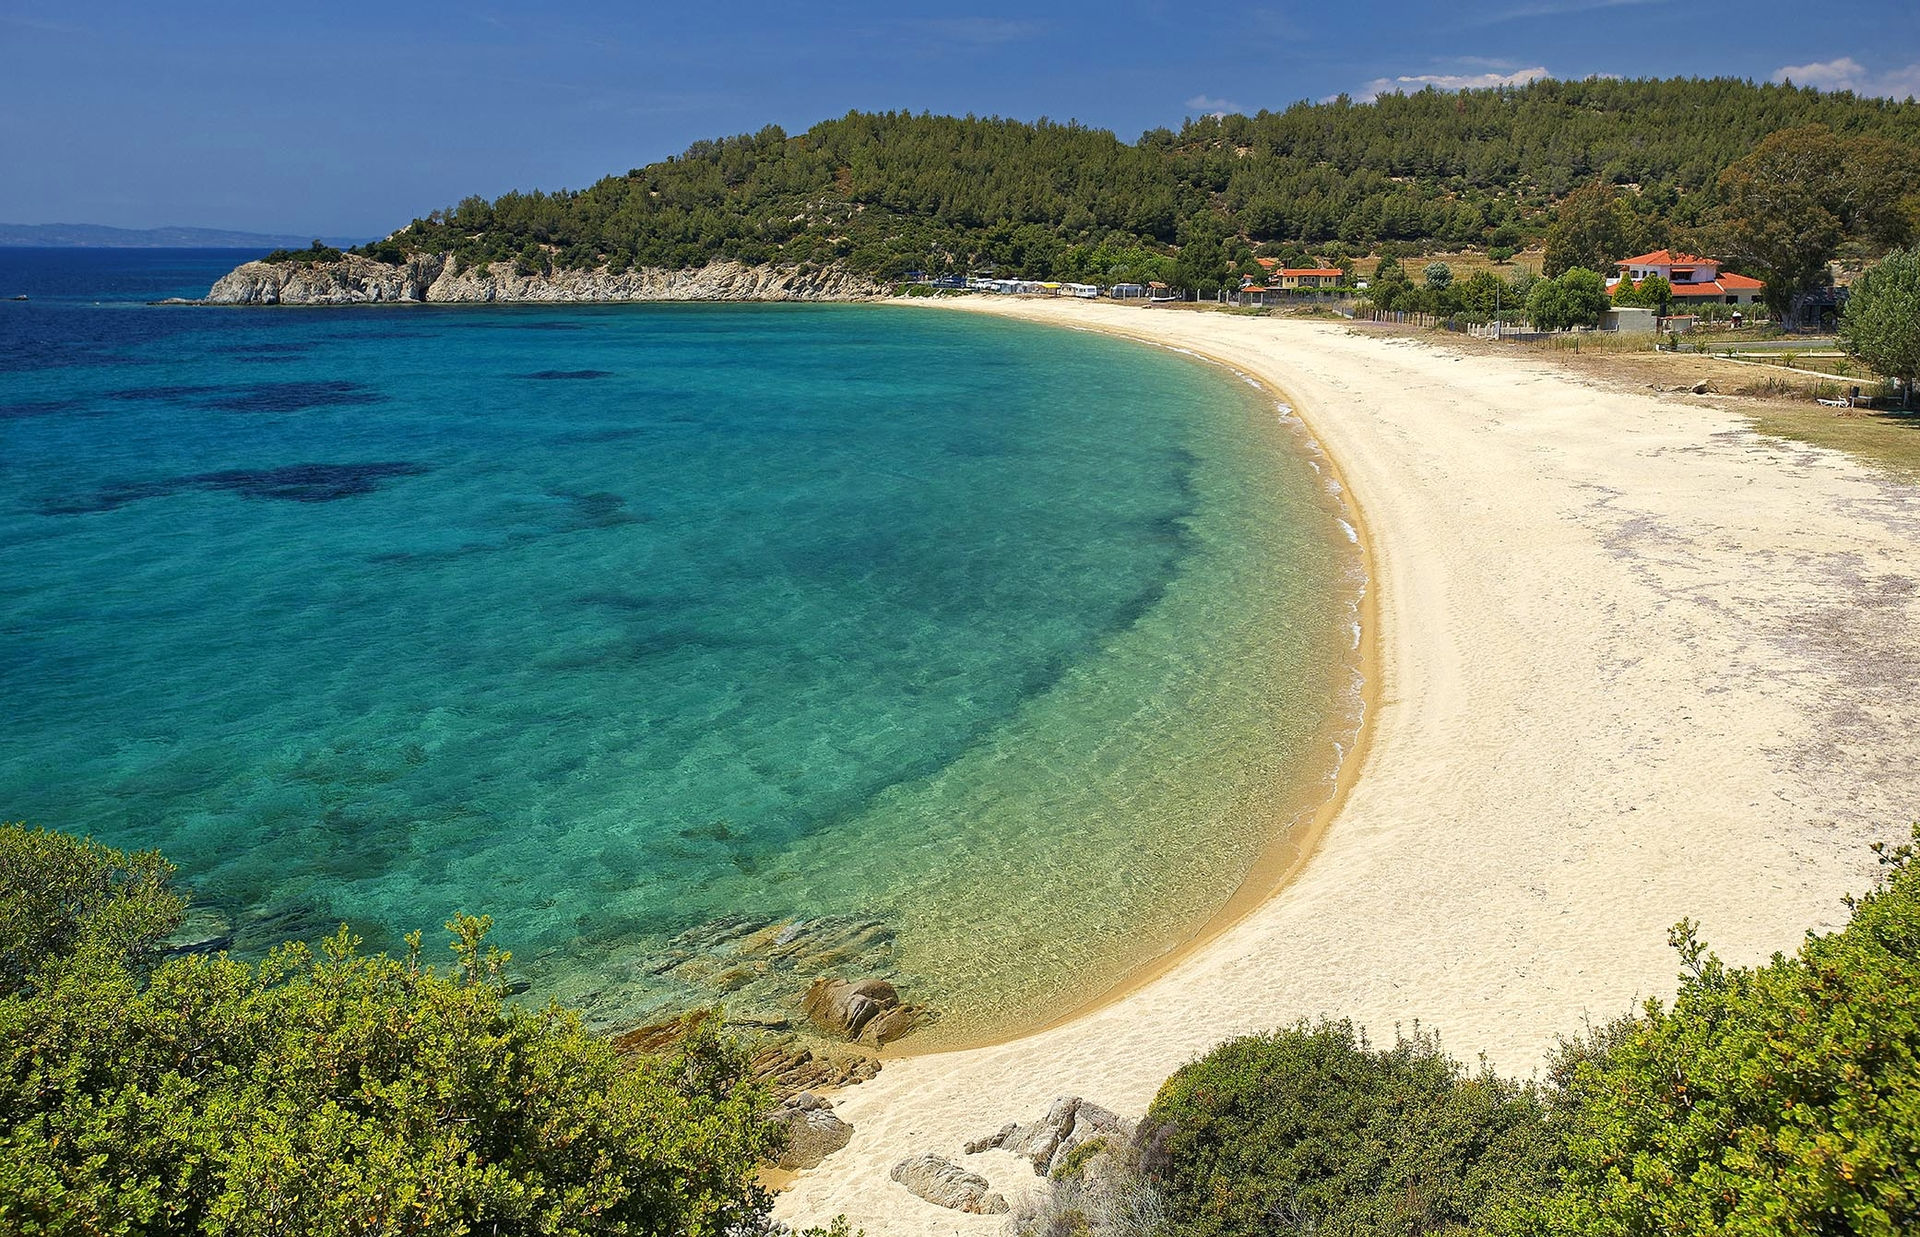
432	278
866	1011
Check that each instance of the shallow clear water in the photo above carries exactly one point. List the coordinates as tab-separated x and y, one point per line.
989	654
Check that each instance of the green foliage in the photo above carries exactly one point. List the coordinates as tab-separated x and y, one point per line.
890	192
316	252
1594	230
1881	325
1439	276
1783	1099
1786	208
1309	1130
1653	292
1577	298
1390	289
67	897
338	1093
1484	294
389	251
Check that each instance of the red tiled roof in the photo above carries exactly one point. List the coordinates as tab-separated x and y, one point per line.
1728	282
1716	287
1269	263
1253	287
1663	257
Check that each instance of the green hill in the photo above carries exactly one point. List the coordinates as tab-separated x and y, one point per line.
886	193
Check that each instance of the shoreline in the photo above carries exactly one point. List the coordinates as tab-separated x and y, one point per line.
1636	662
1293	843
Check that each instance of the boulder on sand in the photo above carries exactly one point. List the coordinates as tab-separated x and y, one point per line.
813	1132
1047	1142
946	1184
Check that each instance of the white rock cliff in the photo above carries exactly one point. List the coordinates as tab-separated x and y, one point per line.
354	280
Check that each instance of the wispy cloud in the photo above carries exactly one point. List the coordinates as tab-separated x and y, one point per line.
1211	106
1448	81
1554	8
1846	73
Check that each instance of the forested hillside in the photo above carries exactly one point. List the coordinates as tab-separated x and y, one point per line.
891	192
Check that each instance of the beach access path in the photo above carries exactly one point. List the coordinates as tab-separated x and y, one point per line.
1635	663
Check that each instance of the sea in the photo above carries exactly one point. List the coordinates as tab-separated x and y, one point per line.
708	649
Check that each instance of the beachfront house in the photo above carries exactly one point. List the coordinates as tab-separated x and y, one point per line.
1292	277
1298	278
1695	280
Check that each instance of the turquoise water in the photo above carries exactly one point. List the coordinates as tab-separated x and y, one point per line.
989	655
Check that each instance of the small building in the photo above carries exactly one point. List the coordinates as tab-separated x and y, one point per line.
1694	280
1629	321
1157	291
1310	276
1127	291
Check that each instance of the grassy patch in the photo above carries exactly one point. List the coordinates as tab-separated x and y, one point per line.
1890	440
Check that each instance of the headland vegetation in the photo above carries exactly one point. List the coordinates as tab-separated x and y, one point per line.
871	198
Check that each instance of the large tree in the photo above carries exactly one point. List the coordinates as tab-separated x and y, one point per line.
1577	298
1802	195
1881	325
1593	230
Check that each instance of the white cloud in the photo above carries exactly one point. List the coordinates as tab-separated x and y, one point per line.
1846	73
1447	81
1212	106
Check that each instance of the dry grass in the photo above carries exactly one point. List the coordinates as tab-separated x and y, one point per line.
1463	264
1780	402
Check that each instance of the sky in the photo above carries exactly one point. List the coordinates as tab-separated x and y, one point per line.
349	118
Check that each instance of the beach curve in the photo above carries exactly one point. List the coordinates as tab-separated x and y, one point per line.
1615	688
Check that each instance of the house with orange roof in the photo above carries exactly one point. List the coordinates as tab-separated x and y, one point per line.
1294	277
1697	280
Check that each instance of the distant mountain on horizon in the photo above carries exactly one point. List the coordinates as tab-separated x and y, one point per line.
99	236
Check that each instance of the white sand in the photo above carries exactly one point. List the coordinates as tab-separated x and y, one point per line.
1636	663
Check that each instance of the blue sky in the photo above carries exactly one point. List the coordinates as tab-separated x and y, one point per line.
348	118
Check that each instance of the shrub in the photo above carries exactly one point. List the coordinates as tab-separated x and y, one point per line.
317	252
1311	1130
338	1093
1777	1099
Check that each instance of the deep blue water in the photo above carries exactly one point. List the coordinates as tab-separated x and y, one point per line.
619	622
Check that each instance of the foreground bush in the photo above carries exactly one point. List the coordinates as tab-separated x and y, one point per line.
1783	1099
340	1093
1308	1130
1776	1100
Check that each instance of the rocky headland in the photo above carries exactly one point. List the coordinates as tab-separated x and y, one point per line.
439	279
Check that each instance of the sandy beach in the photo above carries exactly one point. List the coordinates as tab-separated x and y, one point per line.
1635	663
